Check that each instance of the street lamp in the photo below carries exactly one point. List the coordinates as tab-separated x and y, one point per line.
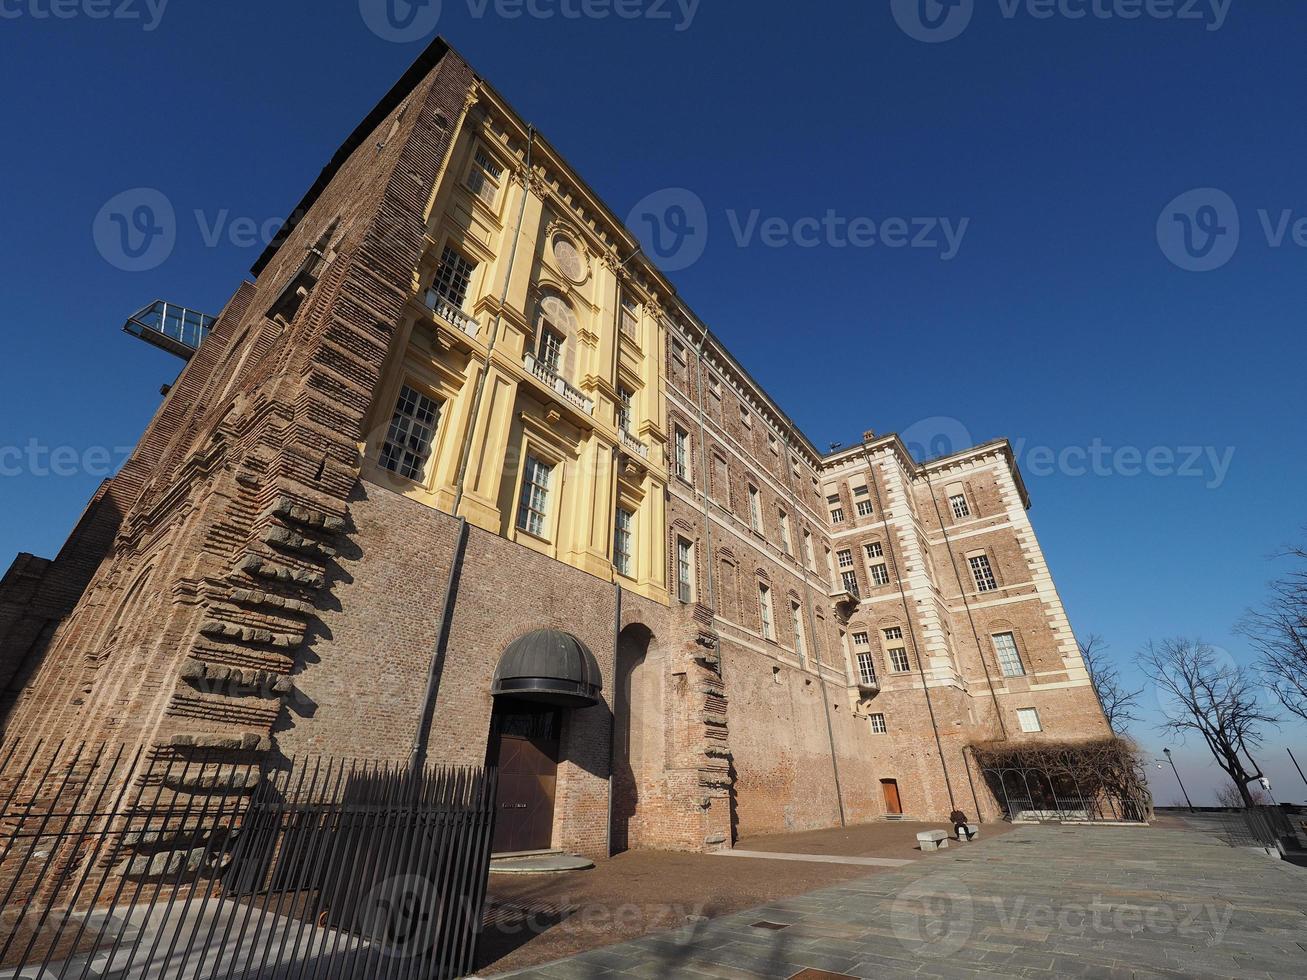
1167	753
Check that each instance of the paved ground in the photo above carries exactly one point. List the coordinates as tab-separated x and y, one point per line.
534	919
1037	901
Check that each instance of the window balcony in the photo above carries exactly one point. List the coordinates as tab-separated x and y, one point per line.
451	314
843	596
633	444
868	687
551	380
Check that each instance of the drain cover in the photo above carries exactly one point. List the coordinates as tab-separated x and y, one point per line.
764	924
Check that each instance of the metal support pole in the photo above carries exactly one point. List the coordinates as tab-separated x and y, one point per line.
1167	753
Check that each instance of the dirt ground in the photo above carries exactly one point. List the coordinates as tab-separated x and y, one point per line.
535	919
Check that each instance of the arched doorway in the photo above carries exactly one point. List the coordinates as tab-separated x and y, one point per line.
638	729
540	677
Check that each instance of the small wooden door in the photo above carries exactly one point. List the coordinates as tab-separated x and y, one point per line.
893	806
525	748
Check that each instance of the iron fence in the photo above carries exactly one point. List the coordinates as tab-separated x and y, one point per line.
125	863
1053	794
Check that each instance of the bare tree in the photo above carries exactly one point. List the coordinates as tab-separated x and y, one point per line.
1278	631
1213	699
1228	795
1118	701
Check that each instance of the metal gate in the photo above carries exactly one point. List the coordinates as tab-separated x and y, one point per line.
1027	793
133	864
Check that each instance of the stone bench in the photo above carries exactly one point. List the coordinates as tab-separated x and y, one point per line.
932	840
967	832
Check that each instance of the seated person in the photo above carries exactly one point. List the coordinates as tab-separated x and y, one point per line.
960	827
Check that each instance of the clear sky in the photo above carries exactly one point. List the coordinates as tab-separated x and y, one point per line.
957	239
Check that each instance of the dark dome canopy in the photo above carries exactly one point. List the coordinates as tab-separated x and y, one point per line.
550	667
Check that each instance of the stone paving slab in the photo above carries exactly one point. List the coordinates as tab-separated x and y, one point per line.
1040	901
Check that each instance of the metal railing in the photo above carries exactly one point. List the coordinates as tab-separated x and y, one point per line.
170	327
1057	795
145	863
552	380
451	314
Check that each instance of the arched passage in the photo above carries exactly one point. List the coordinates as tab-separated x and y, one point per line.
638	730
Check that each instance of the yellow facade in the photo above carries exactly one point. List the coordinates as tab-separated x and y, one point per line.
529	342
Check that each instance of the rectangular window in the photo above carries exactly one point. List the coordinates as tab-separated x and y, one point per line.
630	319
765	611
898	660
772	444
684	570
845	557
408	440
625	417
681	444
484	176
861	639
880	574
1029	719
453	277
850	582
878	726
982	573
894	633
533	510
551	349
959	504
678	352
864	508
874	550
1009	659
866	669
745	418
721	480
808	556
622	541
755	508
836	511
786	542
796	617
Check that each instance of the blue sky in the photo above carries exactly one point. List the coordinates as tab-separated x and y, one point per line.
1052	147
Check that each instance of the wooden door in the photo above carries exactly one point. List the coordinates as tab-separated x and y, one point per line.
525	748
890	788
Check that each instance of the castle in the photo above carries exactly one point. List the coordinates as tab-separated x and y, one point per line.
460	477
